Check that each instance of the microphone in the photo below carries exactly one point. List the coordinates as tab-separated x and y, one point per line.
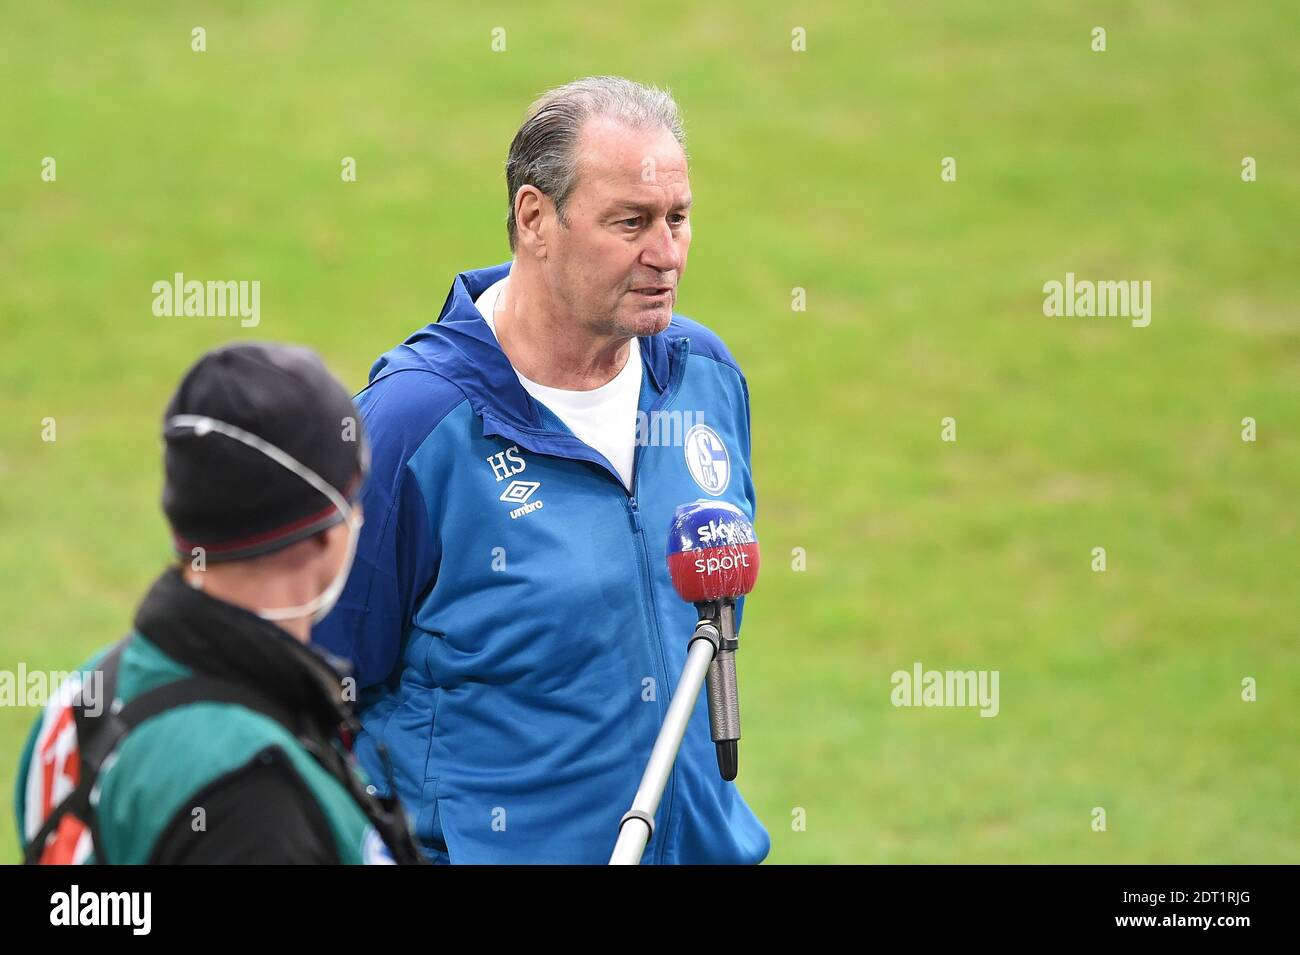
713	560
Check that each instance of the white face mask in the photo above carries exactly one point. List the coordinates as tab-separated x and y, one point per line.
324	602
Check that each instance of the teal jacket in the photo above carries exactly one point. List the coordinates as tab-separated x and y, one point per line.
265	780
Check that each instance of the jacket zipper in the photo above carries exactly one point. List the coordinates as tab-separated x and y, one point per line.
665	694
638	527
682	348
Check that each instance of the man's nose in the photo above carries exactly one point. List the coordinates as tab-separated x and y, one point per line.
662	250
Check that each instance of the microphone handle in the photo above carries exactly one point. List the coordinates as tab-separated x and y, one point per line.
724	697
724	712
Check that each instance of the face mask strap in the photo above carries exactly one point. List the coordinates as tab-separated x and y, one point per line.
202	425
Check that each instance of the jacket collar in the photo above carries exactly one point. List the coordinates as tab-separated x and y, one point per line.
460	346
218	639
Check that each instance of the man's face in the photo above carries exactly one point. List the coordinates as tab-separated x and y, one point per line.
616	266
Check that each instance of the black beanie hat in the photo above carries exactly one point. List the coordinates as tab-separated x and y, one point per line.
233	500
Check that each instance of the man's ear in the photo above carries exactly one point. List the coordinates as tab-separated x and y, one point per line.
533	213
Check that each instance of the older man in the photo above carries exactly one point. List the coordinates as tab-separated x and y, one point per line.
510	615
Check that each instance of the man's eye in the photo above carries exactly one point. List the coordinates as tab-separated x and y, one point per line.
631	223
677	218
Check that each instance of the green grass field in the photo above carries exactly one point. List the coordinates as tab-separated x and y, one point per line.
818	170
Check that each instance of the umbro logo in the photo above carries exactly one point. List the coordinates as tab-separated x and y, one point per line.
520	491
505	464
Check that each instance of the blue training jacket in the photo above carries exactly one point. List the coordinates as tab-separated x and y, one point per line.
510	616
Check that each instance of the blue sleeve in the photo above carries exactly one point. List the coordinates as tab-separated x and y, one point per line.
397	554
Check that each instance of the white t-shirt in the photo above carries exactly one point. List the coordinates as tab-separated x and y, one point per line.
604	418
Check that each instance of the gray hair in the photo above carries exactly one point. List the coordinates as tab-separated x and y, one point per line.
542	152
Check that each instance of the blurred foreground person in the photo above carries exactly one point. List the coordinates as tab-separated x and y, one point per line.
213	733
